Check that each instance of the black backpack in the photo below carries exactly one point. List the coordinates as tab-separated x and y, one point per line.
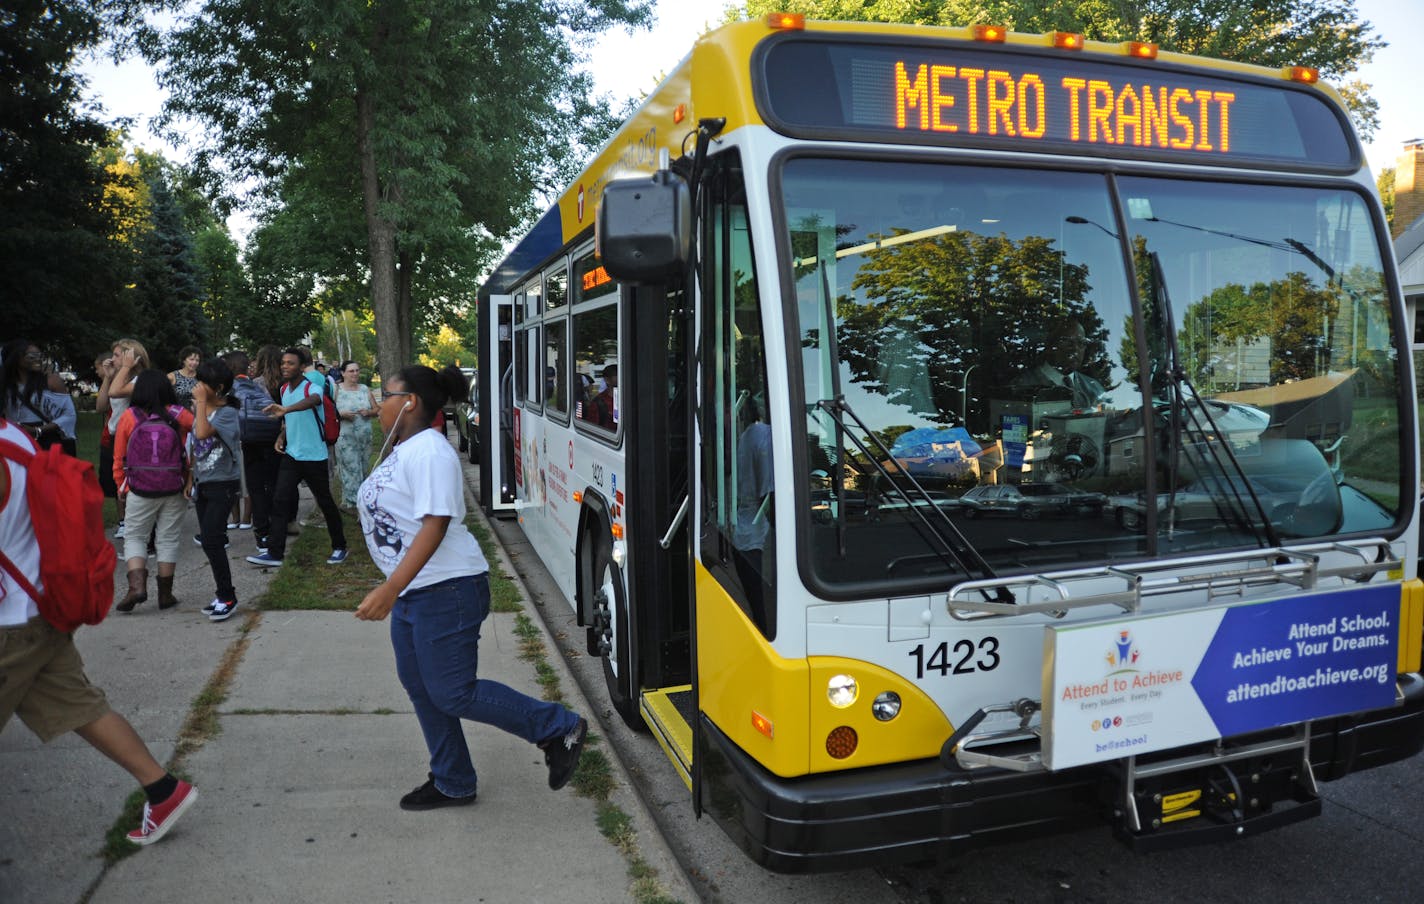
253	425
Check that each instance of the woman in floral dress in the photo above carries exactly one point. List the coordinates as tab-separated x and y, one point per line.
353	449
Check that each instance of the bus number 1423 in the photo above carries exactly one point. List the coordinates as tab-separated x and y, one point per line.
963	659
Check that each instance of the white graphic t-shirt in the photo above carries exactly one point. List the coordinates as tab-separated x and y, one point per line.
421	477
17	537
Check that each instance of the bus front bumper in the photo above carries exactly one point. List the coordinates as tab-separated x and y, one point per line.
920	811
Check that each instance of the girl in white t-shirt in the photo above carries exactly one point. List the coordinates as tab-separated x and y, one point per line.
436	592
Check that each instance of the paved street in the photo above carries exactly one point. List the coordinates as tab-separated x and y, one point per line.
298	788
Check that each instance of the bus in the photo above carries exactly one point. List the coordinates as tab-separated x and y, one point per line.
948	436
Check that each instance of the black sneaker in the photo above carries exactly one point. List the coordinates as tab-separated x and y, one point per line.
561	754
222	610
429	797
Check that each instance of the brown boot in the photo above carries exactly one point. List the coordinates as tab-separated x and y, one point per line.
165	592
138	590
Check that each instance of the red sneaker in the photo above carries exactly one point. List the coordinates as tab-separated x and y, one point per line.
158	819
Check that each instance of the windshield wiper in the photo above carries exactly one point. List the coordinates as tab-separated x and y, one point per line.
956	549
1216	444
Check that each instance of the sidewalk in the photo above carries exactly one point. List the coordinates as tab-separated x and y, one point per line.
317	742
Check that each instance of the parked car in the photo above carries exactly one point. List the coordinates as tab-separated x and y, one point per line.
1208	501
467	416
1031	500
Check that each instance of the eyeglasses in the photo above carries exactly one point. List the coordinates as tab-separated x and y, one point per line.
387	395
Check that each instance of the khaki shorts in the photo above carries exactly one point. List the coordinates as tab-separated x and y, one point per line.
42	679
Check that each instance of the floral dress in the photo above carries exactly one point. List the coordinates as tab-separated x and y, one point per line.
353	447
183	388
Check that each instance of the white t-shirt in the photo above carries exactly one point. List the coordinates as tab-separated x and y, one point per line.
421	477
17	537
117	407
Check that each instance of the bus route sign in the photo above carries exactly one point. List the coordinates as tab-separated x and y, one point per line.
951	94
1127	687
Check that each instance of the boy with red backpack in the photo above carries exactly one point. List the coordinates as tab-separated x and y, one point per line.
151	469
43	674
304	444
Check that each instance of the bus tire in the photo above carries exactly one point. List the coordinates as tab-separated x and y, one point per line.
608	633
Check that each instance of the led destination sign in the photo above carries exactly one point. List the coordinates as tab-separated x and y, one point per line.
970	96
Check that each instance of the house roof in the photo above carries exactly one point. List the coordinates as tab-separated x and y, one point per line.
1409	241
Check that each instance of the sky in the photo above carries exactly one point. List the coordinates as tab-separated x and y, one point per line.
628	65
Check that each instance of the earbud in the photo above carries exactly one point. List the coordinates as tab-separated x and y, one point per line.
409	405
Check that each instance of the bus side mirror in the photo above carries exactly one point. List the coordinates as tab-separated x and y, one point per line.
644	227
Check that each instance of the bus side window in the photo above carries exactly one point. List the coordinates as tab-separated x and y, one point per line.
739	536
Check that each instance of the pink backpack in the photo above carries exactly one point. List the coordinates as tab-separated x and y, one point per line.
154	462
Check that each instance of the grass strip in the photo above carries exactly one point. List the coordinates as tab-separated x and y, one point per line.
594	776
306	582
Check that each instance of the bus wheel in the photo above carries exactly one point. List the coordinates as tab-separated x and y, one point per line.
610	629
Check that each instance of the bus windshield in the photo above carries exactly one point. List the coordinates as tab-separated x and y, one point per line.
1000	366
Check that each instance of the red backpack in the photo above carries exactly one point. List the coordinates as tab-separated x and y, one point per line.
328	421
76	558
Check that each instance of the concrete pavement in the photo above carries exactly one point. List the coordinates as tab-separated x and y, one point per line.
299	787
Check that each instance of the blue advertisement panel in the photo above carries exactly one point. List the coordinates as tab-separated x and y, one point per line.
1307	658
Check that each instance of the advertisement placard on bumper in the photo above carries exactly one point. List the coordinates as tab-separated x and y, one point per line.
1136	685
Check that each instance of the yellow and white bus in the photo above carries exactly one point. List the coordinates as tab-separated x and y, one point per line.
952	436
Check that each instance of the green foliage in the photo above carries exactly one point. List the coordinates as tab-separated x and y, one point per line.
1385	183
395	142
345	335
165	292
62	272
1326	34
939	302
447	346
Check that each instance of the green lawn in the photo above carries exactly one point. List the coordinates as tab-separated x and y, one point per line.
89	426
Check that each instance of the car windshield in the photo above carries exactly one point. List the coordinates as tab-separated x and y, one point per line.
979	322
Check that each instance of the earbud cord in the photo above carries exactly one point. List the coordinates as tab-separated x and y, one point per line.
395	426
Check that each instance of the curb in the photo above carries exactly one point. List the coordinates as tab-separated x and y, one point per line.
651	844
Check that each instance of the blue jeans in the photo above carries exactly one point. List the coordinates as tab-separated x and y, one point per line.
436	634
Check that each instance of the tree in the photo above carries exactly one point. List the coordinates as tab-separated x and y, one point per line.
427	123
1385	183
446	347
1325	34
62	270
165	292
934	307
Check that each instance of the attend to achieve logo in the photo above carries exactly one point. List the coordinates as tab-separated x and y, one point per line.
1107	723
1122	655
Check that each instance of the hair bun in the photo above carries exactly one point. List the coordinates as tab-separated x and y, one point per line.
452	380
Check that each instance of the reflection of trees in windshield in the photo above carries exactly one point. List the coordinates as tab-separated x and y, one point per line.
1291	313
927	310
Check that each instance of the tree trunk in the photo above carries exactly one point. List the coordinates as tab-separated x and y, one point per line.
392	329
404	305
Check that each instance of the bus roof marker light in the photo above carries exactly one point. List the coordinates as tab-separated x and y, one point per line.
763	724
1142	50
786	21
1067	40
993	34
1306	75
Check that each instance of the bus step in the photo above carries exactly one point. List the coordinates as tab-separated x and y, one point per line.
1215	797
668	712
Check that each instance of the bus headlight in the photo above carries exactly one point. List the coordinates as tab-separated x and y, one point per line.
886	706
620	553
842	690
